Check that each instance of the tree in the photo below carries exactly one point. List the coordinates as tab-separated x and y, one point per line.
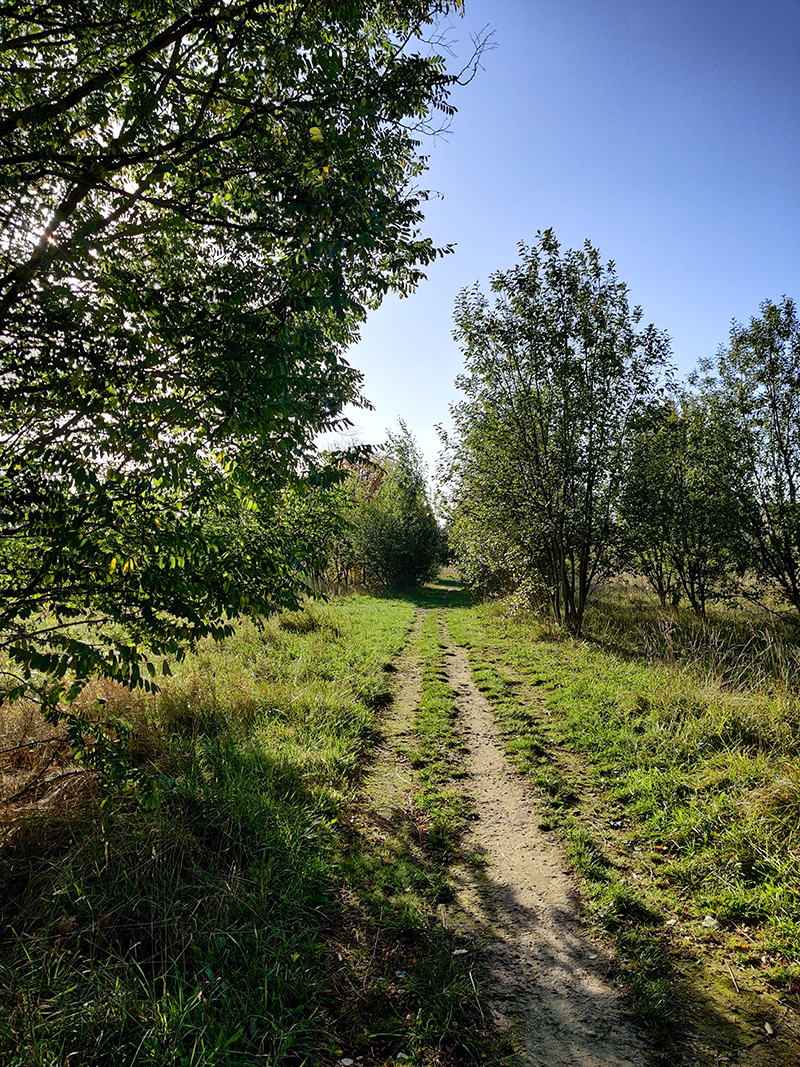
394	538
477	474
199	203
647	508
758	382
679	510
556	370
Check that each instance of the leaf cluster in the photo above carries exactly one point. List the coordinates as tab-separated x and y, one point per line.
557	367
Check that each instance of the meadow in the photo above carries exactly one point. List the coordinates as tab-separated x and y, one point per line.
247	910
666	753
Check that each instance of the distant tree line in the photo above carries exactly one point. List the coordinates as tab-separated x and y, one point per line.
575	454
377	527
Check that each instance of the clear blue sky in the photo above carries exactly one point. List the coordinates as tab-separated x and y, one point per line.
665	131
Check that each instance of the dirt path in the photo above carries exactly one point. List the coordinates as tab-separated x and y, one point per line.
549	984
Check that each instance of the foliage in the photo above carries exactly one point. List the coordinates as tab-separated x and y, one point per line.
395	533
199	204
381	527
647	506
556	370
679	510
758	381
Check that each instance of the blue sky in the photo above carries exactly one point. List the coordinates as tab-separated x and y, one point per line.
668	133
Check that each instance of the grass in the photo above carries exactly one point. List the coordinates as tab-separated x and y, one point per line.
194	932
254	914
250	913
675	789
439	751
414	998
738	645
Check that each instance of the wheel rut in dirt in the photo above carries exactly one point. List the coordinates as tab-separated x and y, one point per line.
549	981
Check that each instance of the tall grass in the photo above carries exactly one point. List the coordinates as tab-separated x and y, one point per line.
738	645
193	932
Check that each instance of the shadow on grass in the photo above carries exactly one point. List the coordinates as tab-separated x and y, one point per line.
745	648
687	1011
442	592
146	936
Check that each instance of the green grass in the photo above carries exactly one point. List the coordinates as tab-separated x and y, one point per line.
195	932
250	915
412	998
439	750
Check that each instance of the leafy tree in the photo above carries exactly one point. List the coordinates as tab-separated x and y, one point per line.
556	369
478	475
704	548
758	382
394	534
198	203
680	513
647	507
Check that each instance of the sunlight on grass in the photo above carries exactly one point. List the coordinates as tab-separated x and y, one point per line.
694	759
190	932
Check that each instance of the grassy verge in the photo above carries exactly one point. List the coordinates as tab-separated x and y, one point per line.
677	795
196	932
439	751
252	914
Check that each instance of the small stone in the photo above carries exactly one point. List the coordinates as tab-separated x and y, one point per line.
768	1028
710	923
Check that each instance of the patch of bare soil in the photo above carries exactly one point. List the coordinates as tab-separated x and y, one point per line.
549	981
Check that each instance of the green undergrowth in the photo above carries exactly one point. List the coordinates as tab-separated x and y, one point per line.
739	644
197	930
678	797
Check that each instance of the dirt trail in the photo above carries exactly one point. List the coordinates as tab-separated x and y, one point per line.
548	984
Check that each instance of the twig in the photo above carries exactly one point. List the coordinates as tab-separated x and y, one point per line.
47	781
37	777
730	972
31	744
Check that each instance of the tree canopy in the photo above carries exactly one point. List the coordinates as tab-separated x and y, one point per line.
756	380
679	511
557	368
199	204
376	527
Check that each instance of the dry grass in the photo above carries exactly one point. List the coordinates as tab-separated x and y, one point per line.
38	774
193	930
